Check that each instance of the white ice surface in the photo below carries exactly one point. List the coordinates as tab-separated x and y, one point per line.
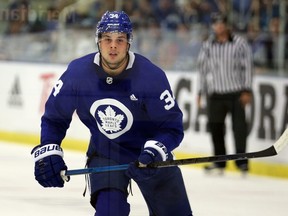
229	195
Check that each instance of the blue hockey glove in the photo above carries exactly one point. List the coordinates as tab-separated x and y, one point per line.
153	151
48	165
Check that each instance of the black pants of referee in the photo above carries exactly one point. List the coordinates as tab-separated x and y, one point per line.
218	106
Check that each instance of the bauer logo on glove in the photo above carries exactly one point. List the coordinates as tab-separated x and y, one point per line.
51	149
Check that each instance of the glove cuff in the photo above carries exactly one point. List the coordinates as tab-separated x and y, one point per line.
39	152
159	147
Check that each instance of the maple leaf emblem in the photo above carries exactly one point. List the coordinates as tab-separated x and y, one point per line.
109	120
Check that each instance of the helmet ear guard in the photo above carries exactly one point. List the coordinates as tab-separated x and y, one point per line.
114	22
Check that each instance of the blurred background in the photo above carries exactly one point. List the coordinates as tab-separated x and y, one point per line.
169	32
38	38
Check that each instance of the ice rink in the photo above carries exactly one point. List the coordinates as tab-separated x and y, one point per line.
227	195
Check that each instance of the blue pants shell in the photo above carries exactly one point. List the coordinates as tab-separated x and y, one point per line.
164	192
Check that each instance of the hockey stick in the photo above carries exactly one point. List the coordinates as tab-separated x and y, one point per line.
277	147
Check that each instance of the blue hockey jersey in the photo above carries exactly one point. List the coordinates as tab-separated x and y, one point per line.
122	112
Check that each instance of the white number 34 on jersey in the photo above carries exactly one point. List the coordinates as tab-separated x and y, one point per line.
168	98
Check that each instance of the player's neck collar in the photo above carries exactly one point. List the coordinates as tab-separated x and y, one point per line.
129	65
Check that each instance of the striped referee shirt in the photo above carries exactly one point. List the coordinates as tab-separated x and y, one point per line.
225	67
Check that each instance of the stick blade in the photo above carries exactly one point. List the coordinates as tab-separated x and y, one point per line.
282	142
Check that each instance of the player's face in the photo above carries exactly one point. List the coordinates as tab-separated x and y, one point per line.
113	48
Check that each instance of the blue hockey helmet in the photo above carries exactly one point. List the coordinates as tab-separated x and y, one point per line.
115	22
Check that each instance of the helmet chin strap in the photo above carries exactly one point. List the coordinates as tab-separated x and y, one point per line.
98	47
104	63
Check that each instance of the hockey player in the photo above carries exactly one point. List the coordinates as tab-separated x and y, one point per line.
128	106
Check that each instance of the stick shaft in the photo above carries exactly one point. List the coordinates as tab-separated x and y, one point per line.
280	144
265	153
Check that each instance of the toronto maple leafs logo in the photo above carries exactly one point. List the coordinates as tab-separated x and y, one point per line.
110	120
112	117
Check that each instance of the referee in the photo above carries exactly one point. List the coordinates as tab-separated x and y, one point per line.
225	67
